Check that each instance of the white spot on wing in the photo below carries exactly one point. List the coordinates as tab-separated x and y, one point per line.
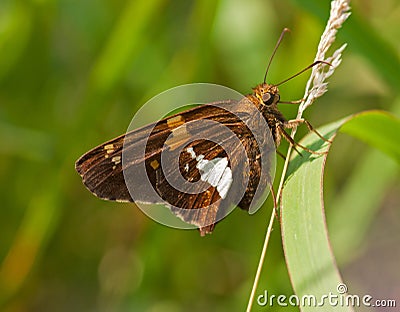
211	170
187	167
191	152
215	171
225	182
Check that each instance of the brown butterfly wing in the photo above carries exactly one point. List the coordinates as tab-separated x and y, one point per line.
101	168
200	204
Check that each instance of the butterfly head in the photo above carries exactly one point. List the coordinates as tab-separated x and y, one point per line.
267	94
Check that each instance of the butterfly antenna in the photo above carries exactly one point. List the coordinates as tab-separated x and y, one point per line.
303	70
284	31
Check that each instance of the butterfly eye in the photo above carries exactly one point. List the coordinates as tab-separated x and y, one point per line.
268	98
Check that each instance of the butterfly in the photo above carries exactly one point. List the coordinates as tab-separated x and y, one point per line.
214	169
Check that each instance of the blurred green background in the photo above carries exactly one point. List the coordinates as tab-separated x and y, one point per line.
72	75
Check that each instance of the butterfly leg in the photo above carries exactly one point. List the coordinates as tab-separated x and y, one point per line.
295	122
278	130
294	143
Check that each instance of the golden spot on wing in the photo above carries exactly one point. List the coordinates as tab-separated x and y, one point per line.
109	148
116	159
155	164
175	122
178	137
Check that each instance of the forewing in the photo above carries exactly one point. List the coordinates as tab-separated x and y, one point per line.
101	168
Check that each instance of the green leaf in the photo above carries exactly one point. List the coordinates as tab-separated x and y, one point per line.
310	261
378	129
373	175
350	206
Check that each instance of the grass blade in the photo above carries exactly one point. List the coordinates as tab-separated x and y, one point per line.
311	264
